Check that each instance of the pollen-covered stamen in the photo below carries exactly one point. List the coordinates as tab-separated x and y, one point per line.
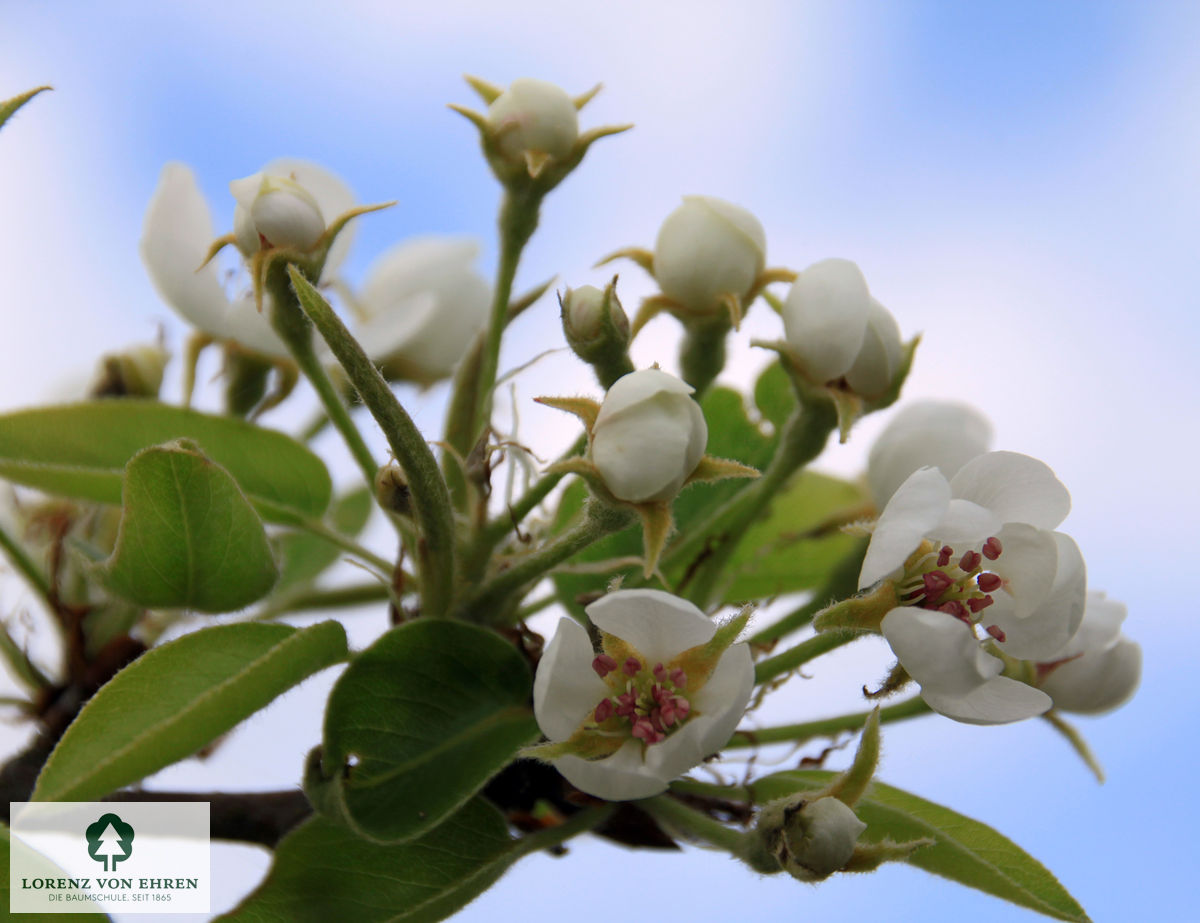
979	603
678	678
957	609
989	583
660	672
632	666
603	665
992	548
604	711
996	632
969	561
945	555
935	584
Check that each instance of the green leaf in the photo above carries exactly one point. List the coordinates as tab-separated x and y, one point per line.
188	538
791	549
80	450
51	871
965	850
418	723
774	396
305	556
9	107
323	871
177	698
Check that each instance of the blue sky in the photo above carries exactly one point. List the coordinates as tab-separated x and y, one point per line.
1018	181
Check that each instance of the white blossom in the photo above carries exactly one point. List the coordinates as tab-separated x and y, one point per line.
1099	669
648	437
707	249
836	330
276	210
534	116
422	304
661	720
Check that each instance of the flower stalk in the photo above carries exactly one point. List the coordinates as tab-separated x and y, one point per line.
827	727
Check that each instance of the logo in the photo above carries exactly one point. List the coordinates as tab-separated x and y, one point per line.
110	840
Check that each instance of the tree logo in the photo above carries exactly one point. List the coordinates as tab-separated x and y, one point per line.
110	840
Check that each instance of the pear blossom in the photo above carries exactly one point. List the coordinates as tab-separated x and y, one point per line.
1099	669
534	117
275	211
651	705
837	332
178	232
978	551
939	434
707	250
648	437
421	306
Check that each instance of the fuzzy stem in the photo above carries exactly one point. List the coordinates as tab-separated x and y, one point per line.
435	550
488	603
827	727
696	825
802	440
795	657
338	598
841	583
28	569
702	354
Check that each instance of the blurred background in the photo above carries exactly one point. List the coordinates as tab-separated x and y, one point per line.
1017	180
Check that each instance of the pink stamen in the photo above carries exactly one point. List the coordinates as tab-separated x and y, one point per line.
970	561
936	583
992	548
682	706
660	673
603	665
996	632
603	711
678	677
955	608
626	704
989	583
979	603
944	555
631	667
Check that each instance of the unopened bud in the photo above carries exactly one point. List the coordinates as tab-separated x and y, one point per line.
137	372
533	117
594	322
810	839
275	211
391	489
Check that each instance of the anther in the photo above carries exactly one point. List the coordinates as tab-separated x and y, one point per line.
989	583
936	583
603	665
996	632
970	560
979	603
603	711
955	608
632	666
944	555
678	677
992	548
660	672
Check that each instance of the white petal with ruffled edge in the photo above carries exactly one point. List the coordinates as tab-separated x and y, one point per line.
1097	682
1017	488
998	701
918	505
658	624
1027	565
620	777
1100	628
938	651
566	688
879	357
938	434
1038	634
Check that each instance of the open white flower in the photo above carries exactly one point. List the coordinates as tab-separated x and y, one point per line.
835	330
1099	668
978	551
938	434
665	692
648	437
421	305
178	232
708	250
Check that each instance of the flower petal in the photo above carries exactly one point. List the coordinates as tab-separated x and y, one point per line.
333	197
1100	628
725	696
940	434
630	390
1039	634
938	651
879	357
566	687
998	701
1097	682
644	456
1015	487
658	624
1027	564
917	506
176	235
966	523
620	777
825	317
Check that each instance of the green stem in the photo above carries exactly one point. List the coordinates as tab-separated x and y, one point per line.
518	221
702	354
535	607
295	331
827	727
795	657
318	528
696	825
841	583
311	600
24	564
610	367
488	604
315	427
435	551
802	440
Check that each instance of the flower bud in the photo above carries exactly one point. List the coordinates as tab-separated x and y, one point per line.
708	248
1097	681
137	372
837	331
648	437
276	210
594	322
536	117
811	839
392	490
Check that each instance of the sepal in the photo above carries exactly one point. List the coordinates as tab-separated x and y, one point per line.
863	613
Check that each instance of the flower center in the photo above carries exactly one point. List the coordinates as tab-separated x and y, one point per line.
959	585
648	703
